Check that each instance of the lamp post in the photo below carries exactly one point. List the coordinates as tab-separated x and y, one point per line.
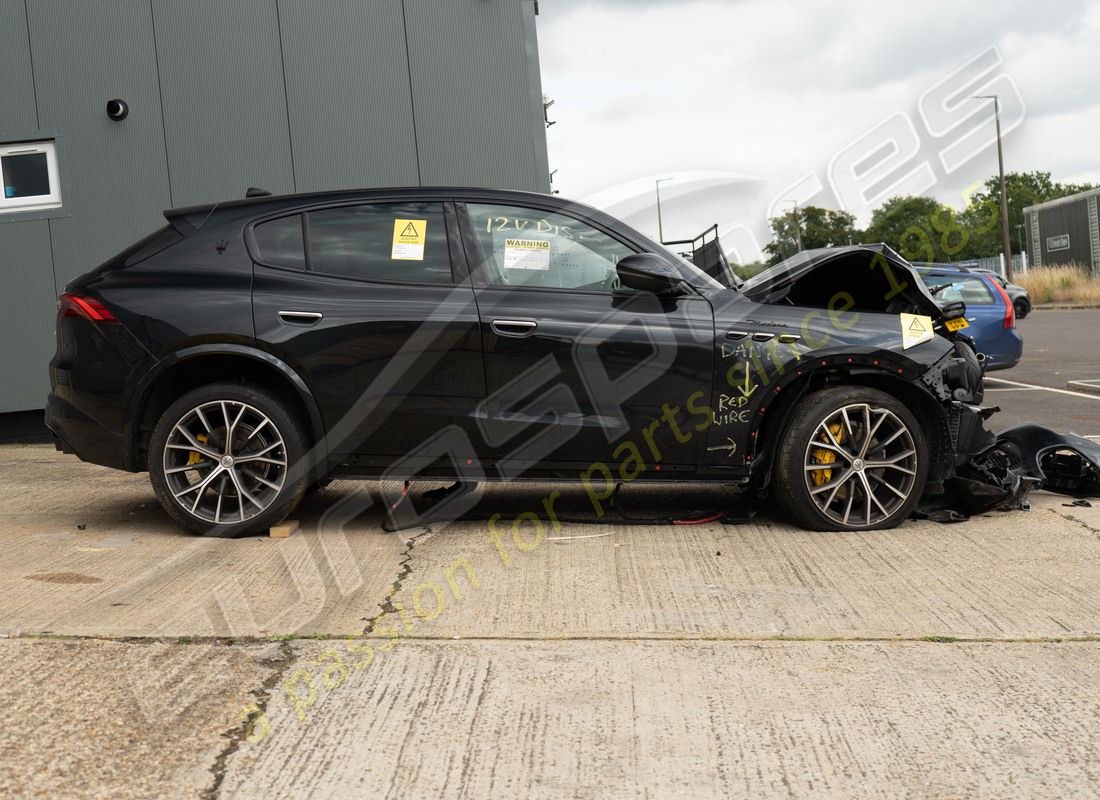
660	226
1001	169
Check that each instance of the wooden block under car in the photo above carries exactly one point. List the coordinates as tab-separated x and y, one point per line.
283	530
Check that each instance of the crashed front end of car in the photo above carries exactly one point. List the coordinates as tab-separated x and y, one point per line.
855	295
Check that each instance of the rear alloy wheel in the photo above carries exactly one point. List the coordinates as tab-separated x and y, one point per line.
228	460
852	458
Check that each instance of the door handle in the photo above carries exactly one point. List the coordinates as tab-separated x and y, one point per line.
513	327
300	317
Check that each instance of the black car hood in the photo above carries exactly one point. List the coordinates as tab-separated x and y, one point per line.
877	278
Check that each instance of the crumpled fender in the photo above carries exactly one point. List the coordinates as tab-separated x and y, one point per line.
1064	462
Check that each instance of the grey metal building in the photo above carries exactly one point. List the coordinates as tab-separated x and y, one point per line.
1064	231
221	95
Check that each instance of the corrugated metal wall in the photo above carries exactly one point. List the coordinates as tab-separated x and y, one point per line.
457	87
290	95
27	284
221	78
345	107
1064	219
84	55
17	88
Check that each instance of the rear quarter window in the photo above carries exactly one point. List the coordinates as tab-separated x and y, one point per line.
279	242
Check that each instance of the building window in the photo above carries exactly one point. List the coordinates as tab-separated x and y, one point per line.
30	176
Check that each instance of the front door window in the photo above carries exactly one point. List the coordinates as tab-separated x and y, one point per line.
542	249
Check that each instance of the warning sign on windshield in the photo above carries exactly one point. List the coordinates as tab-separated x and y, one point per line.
408	239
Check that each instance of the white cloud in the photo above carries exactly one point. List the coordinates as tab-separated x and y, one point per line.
776	88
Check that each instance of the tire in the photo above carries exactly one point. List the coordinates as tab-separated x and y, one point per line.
830	476
228	460
1022	308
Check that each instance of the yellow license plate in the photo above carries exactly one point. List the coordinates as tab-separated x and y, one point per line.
956	324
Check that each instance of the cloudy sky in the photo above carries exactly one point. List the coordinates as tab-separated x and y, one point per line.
752	105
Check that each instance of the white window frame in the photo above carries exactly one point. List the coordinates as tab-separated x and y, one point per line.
38	202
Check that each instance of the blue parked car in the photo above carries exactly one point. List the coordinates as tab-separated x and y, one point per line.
1021	300
989	311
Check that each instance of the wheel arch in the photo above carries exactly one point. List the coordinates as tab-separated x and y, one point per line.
926	408
205	364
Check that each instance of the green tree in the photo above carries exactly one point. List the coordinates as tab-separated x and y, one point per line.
920	228
1022	189
746	271
818	227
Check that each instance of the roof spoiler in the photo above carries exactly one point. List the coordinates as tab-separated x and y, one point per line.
256	191
183	222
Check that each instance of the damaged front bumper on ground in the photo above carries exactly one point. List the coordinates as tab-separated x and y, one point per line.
998	470
1022	457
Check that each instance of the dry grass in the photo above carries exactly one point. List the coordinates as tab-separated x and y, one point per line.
1070	283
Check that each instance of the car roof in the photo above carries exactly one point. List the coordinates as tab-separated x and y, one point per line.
931	266
257	205
273	202
947	273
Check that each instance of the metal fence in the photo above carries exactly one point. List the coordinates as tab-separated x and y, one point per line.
997	263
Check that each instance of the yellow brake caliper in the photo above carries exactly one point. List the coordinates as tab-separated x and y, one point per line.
823	456
195	457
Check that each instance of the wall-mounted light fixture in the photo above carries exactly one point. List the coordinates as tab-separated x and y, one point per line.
117	110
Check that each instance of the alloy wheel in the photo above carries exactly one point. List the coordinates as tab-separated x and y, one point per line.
860	465
225	462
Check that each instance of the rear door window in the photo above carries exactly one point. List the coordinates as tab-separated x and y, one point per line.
401	242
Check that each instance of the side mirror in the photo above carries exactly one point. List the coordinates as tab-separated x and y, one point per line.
647	272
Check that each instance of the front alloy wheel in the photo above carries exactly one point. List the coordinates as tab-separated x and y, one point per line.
227	460
853	458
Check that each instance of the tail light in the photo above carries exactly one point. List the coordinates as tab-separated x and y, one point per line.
76	305
1010	311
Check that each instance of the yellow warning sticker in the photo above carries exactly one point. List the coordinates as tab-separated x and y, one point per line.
408	239
914	330
526	254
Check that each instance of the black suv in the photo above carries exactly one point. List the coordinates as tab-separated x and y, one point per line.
251	349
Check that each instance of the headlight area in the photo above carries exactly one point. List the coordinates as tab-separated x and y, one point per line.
957	376
956	380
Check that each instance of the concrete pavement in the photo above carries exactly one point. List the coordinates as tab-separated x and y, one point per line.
507	658
693	719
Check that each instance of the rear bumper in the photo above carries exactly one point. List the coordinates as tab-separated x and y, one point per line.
1006	353
75	432
994	363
